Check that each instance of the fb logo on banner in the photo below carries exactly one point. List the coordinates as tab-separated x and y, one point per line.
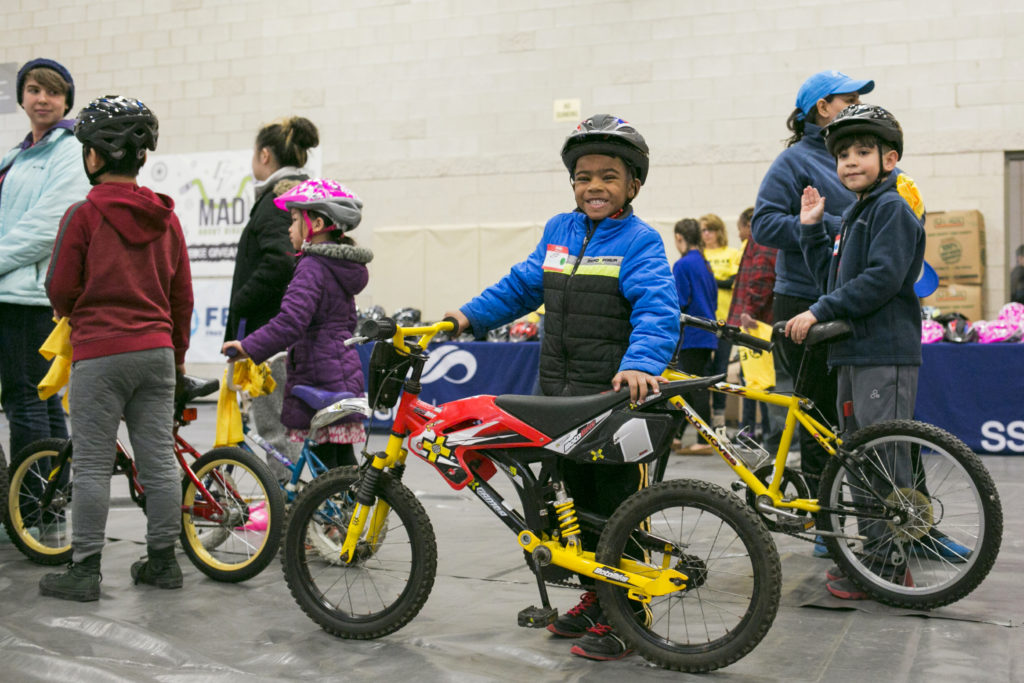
446	358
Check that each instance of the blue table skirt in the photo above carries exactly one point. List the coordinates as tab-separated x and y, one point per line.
975	391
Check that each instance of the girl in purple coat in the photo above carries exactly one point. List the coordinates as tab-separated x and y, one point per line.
318	313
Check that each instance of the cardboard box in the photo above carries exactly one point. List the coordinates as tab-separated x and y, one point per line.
955	246
966	299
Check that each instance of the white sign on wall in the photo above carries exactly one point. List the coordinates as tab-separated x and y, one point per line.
213	194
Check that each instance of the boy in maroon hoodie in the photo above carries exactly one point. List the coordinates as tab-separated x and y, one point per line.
120	273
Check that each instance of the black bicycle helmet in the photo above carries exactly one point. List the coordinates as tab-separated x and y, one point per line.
610	135
115	124
860	119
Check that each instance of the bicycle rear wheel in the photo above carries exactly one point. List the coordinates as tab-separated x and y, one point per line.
730	558
42	534
391	577
942	519
241	544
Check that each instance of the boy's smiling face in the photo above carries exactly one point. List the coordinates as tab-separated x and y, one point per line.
602	185
858	166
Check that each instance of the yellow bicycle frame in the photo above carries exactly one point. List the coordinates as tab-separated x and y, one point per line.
795	414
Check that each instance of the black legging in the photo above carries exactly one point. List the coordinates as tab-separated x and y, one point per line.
815	383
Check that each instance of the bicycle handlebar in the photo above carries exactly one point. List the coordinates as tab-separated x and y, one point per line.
730	332
383	329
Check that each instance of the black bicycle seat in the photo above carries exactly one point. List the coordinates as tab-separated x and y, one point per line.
189	388
318	399
820	333
556	415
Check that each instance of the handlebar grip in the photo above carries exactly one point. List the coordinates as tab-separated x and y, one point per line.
231	353
454	322
750	340
702	323
382	329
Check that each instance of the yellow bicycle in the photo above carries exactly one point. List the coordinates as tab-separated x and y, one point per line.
907	511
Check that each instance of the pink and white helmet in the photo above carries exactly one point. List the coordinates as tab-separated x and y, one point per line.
1013	313
328	198
994	331
931	331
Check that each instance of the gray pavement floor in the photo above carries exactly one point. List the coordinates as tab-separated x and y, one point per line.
254	631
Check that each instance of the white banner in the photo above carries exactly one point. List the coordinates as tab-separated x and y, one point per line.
213	194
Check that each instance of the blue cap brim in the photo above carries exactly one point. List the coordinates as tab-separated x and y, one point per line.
862	87
927	281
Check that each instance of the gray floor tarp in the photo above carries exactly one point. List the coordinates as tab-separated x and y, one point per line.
467	631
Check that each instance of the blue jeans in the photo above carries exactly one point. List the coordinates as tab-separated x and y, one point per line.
23	329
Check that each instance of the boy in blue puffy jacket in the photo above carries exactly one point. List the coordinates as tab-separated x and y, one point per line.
611	318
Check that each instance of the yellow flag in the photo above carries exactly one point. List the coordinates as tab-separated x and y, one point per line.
758	366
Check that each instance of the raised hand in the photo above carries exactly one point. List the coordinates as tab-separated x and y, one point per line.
812	206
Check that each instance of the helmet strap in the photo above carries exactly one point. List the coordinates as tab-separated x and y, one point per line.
94	177
309	226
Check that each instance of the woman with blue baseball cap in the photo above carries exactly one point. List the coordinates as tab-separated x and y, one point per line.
776	223
39	179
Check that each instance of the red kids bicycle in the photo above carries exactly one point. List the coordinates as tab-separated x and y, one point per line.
232	509
698	563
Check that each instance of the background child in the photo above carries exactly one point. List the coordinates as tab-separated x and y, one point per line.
120	272
611	317
318	313
868	273
752	298
695	286
725	262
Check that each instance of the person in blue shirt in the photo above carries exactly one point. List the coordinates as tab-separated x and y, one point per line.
611	319
698	296
776	223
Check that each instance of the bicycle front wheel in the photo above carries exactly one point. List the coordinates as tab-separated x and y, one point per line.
389	580
730	559
239	544
43	534
918	517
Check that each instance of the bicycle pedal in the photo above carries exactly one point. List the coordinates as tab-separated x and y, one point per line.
537	617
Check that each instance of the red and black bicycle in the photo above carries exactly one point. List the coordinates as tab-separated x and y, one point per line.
697	559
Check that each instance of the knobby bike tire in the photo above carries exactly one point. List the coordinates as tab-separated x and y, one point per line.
390	579
44	536
949	522
242	545
730	558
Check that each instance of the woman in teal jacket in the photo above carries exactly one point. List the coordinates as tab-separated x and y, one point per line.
39	179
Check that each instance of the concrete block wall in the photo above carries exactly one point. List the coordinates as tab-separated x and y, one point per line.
440	112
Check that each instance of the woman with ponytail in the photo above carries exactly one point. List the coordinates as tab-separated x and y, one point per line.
266	259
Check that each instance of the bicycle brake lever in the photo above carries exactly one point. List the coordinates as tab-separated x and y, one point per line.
356	340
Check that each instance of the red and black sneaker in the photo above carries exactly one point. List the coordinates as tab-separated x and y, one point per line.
575	622
601	643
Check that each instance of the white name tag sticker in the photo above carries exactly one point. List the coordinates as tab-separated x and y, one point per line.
556	257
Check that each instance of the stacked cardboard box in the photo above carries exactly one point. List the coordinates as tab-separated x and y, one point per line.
955	248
